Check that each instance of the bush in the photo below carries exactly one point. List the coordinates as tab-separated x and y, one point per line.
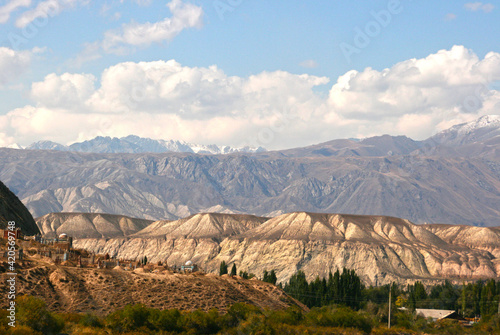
70	317
237	313
339	317
22	330
131	317
90	320
290	316
167	320
199	322
256	324
32	312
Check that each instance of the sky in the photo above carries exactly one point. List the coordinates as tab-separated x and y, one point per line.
277	74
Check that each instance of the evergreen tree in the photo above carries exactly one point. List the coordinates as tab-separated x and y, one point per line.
272	277
269	277
489	301
233	270
223	268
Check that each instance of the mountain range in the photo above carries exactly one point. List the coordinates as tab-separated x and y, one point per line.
136	144
452	177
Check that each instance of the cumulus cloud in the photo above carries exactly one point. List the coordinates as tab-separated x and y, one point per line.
440	83
479	6
7	9
64	91
13	63
164	99
46	8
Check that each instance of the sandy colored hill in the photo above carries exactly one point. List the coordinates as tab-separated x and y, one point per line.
102	291
204	225
380	249
89	225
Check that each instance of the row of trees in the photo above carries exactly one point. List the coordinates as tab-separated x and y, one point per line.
481	298
340	288
345	288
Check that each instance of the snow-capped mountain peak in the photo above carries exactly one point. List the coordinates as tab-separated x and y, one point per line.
136	144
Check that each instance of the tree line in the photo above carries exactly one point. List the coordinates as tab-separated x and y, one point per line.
479	298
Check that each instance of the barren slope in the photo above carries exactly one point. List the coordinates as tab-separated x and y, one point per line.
89	225
381	249
204	225
102	291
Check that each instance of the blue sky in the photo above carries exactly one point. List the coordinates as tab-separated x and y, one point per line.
277	74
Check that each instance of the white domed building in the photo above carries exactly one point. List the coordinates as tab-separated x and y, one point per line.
189	266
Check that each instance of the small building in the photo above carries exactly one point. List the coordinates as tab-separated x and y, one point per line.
189	267
438	314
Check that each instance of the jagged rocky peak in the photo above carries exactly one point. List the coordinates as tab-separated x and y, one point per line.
204	225
136	144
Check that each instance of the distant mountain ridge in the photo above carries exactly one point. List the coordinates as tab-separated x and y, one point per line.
446	181
483	130
136	144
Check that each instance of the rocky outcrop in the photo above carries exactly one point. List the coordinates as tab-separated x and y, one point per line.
380	249
12	209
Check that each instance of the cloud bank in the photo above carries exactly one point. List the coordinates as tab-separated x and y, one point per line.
164	99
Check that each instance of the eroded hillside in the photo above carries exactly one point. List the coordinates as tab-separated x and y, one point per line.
102	291
380	249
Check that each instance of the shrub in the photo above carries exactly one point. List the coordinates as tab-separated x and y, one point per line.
290	316
256	324
90	320
199	322
339	317
167	320
70	317
131	317
237	313
22	330
32	312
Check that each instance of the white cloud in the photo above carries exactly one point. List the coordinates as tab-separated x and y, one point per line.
65	91
309	63
440	83
476	6
164	99
45	9
122	41
13	63
184	16
10	7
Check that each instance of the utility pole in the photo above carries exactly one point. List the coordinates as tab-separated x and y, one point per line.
390	296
